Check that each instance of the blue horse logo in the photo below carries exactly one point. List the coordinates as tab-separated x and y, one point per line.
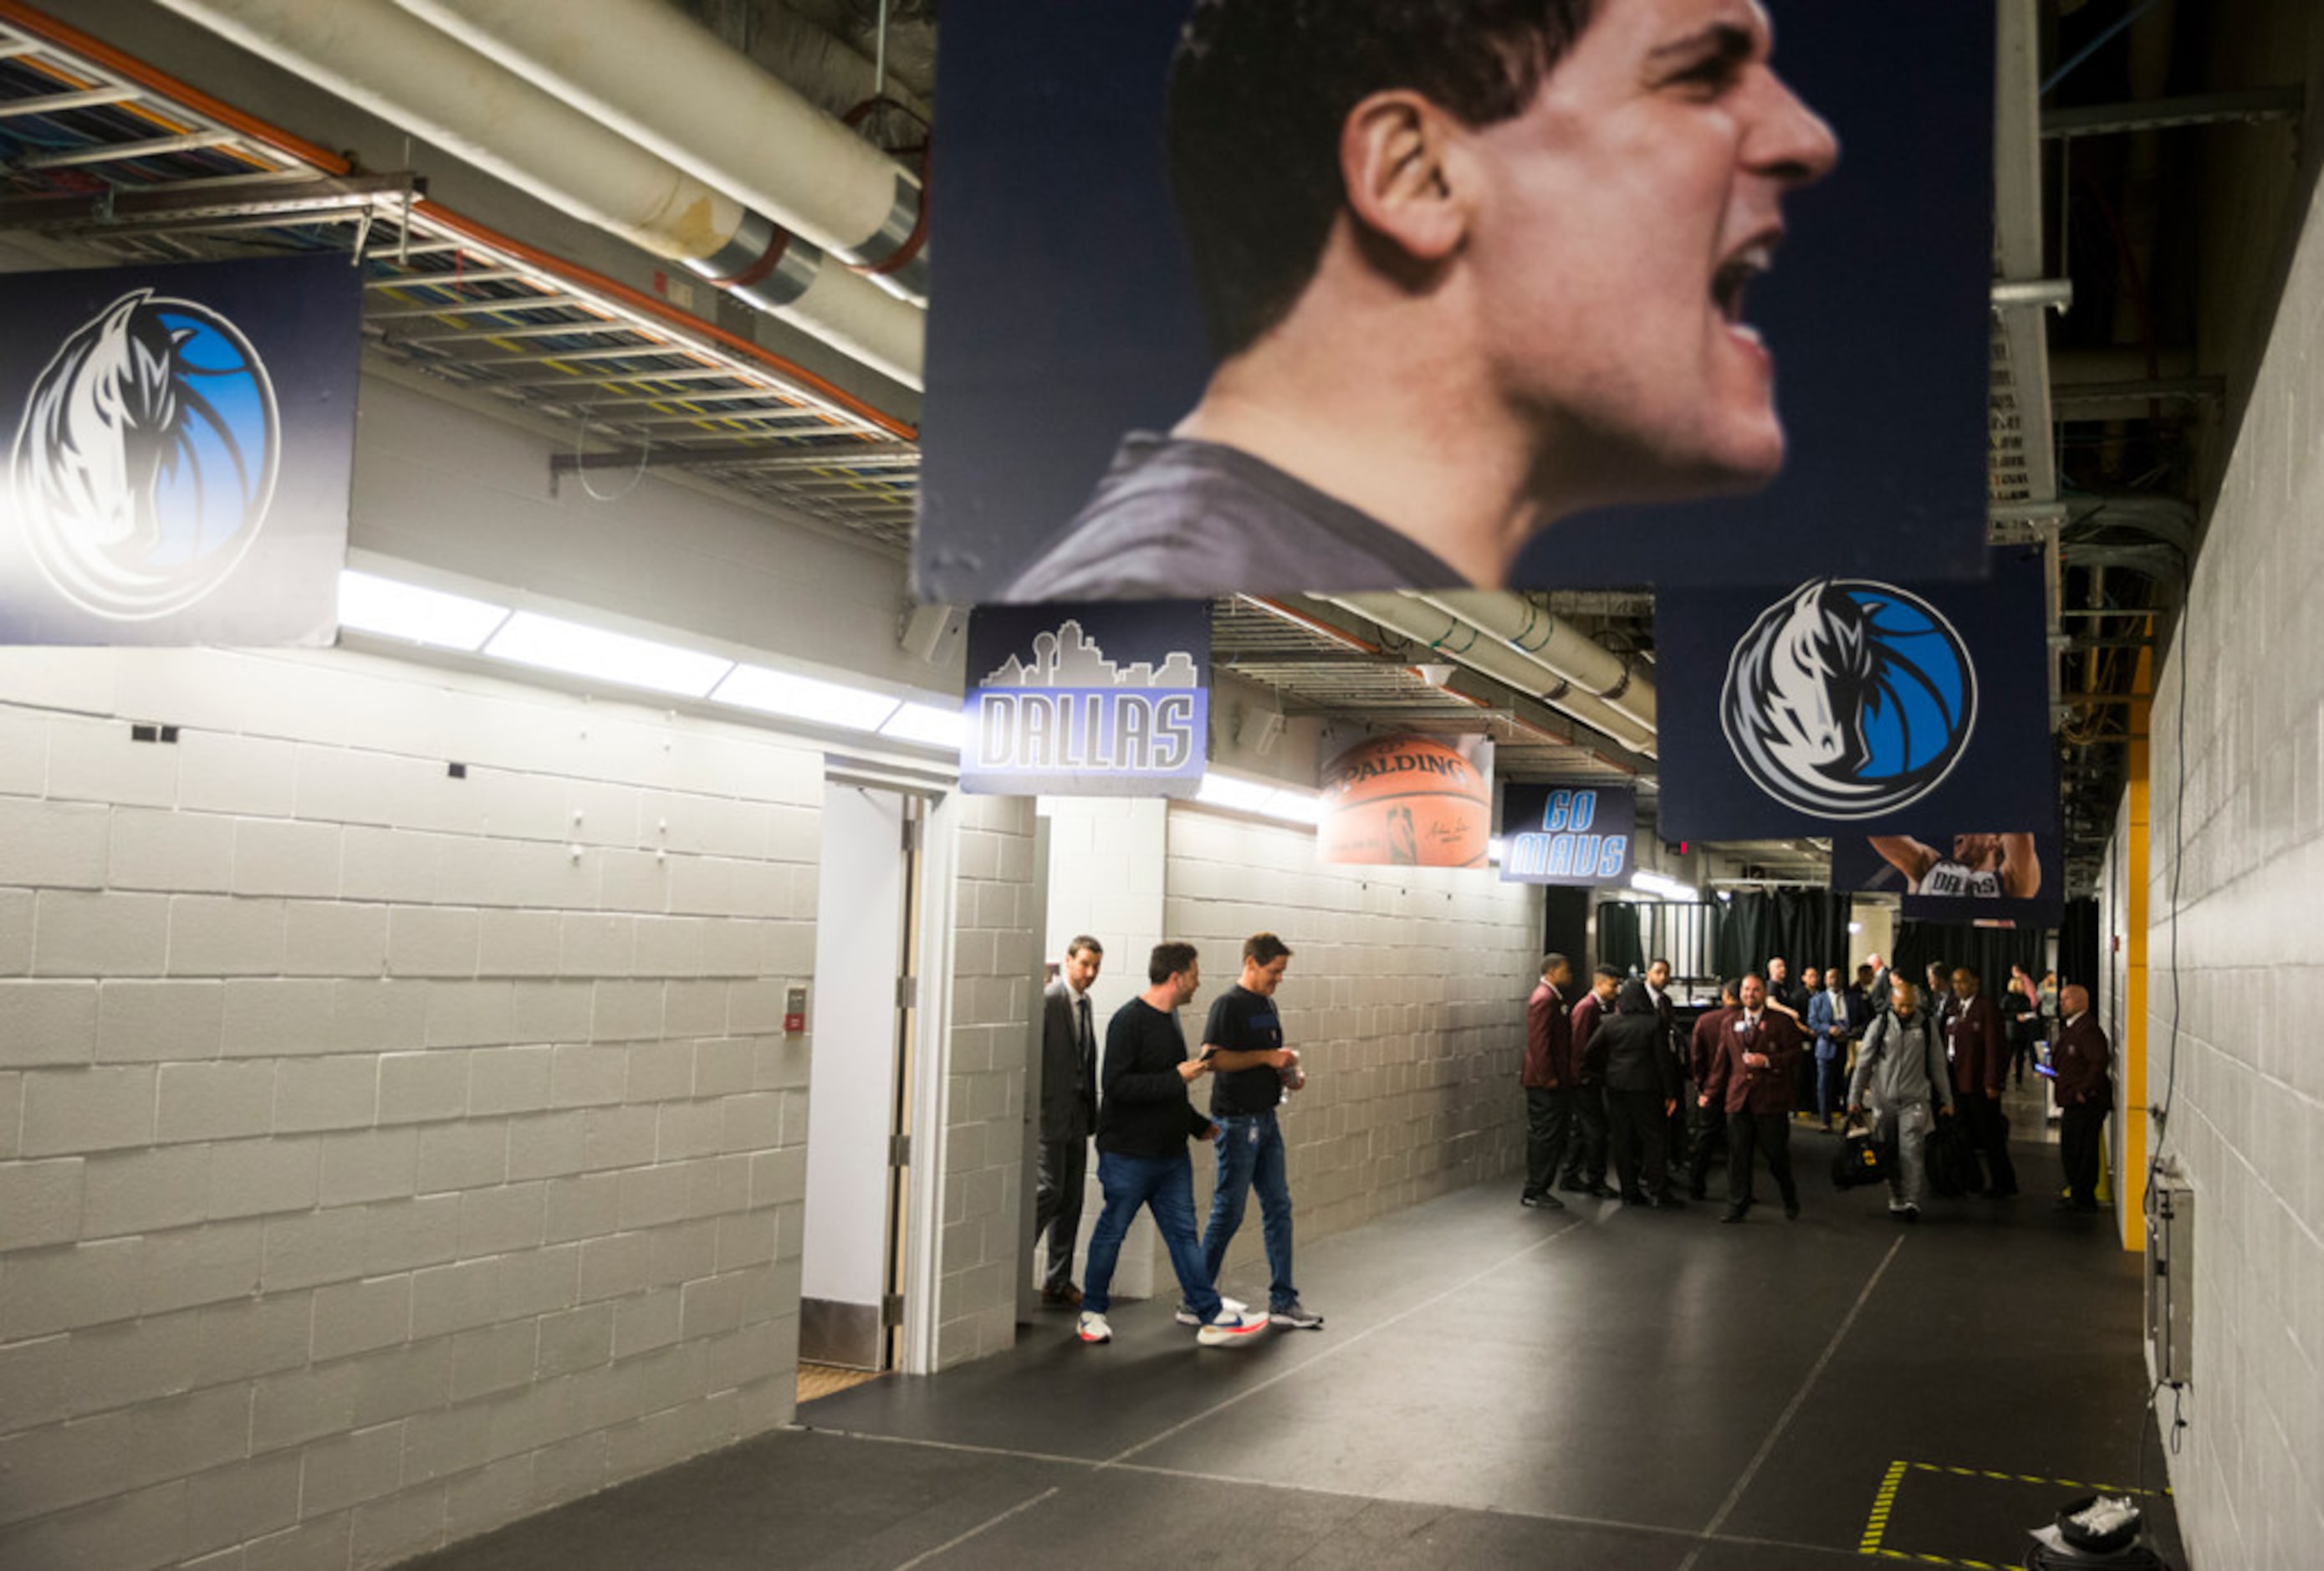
1849	700
146	459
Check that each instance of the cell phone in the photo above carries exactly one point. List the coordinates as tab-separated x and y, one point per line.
2045	1069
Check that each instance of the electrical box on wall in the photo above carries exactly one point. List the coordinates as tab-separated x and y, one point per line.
795	1011
2171	1283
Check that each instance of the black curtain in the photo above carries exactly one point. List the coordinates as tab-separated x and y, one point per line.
1618	943
1566	925
1990	952
2078	944
1806	926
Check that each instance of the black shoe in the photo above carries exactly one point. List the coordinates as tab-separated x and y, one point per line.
1697	1192
1790	1210
1666	1203
1733	1214
2001	1194
1636	1198
1544	1202
1605	1192
1573	1185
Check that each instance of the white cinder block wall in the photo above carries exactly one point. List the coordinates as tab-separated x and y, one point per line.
382	1155
1406	998
2248	1119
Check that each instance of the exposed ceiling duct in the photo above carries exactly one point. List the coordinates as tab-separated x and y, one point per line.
676	89
375	55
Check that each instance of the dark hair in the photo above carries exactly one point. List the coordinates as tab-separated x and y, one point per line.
1750	977
1082	941
1260	92
1967	971
1634	999
1265	949
1168	960
1608	972
1658	960
1733	985
1552	961
1937	968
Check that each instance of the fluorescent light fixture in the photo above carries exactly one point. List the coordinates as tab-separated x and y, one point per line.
798	698
551	644
1496	849
929	725
371	603
1241	796
1856	927
1655	884
1295	807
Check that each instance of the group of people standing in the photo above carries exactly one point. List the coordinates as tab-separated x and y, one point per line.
1136	1102
1883	1050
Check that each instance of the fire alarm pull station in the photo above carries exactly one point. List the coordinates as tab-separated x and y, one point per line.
795	1011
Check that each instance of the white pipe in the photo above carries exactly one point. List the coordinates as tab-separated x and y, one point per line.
1555	646
647	71
1461	641
372	54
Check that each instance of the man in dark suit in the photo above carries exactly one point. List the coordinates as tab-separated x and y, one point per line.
1549	1080
1584	1168
1751	1076
1980	1049
2080	1057
1068	1114
1641	1091
1709	1122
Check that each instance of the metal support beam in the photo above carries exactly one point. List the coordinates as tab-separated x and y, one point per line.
2250	106
132	208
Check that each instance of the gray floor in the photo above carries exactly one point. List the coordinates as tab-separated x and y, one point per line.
1601	1388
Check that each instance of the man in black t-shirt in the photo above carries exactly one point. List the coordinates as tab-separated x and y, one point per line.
1252	1071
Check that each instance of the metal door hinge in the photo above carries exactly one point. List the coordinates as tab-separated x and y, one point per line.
899	1151
891	1309
907	992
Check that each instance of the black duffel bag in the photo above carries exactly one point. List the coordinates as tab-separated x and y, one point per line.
1951	1159
1860	1160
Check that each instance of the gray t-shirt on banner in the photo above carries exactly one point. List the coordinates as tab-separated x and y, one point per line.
1185	520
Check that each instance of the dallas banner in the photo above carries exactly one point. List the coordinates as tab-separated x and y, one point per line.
1089	701
1706	291
1573	835
1850	704
1989	879
181	443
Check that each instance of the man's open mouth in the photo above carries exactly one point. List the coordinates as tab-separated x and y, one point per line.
1733	280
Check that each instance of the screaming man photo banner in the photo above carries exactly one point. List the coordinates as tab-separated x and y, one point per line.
181	441
1852	705
1985	879
1088	701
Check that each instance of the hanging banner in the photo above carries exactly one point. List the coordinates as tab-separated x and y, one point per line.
1089	701
1857	704
181	443
1406	800
1988	880
1576	835
1194	339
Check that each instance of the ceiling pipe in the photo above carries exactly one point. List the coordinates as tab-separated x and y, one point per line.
395	66
672	86
1458	638
1559	648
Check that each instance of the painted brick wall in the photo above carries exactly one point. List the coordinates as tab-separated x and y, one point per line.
382	1156
2248	1121
1406	998
995	979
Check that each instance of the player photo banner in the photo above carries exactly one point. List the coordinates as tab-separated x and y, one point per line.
1577	836
179	445
1404	801
1186	344
1088	701
1986	880
1854	705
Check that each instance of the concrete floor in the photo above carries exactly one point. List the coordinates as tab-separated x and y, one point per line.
1602	1389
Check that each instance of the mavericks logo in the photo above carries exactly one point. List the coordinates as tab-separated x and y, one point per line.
1849	699
146	459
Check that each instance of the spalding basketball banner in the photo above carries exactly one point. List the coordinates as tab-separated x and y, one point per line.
1577	835
1088	701
181	441
1409	801
1853	705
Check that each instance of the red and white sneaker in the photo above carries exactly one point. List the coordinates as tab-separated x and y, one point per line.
1094	1327
1232	1326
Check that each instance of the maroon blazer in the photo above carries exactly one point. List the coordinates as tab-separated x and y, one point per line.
1549	1040
1588	1068
2080	1055
1703	1045
1980	1046
1745	1089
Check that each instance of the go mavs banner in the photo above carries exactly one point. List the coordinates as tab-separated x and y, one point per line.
179	443
1986	878
1856	705
1573	835
1088	701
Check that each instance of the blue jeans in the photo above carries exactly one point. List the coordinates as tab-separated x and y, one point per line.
1166	1186
1250	1156
1831	1086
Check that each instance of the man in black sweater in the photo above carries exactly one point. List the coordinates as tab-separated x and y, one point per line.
1641	1091
1143	1124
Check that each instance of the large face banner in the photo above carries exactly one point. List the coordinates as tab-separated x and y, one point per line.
1854	705
1088	701
1990	880
179	443
1271	296
1573	835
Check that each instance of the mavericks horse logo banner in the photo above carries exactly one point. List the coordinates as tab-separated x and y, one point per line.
180	444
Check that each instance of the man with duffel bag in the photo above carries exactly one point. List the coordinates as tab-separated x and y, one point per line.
1900	1076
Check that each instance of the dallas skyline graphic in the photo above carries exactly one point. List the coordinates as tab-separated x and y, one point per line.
1067	657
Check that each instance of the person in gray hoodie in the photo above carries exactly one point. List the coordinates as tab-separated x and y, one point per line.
1900	1075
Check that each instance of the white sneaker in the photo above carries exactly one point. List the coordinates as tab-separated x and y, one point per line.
1232	1326
1094	1327
1186	1316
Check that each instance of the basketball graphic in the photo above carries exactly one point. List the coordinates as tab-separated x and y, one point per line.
1405	801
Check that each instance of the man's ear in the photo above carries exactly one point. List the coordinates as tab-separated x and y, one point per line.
1403	161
